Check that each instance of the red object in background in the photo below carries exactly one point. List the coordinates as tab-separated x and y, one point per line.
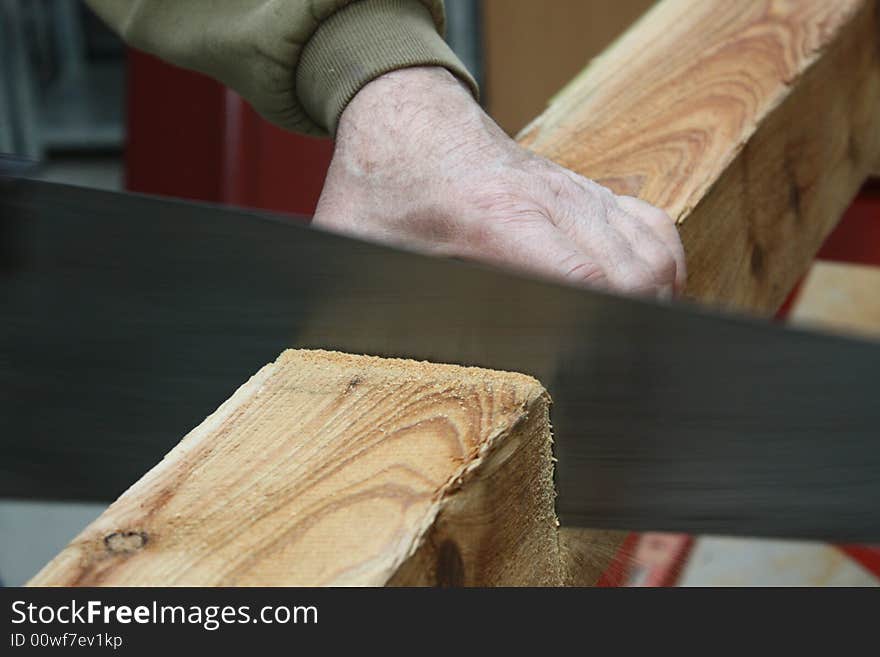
617	572
866	555
648	559
856	239
174	143
267	167
659	559
190	137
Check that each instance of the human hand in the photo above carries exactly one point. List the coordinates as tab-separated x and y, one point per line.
418	164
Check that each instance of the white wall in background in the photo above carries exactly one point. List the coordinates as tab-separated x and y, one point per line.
31	533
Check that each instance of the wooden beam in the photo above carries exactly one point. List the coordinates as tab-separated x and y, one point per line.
348	470
752	124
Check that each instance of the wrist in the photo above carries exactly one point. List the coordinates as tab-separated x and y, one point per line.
408	100
422	118
362	41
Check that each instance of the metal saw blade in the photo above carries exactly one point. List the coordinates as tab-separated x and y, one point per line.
128	319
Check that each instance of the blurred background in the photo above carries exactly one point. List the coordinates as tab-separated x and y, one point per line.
94	113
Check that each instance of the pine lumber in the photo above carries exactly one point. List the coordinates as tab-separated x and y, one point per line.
752	124
841	298
332	469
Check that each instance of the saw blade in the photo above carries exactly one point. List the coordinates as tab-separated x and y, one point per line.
128	319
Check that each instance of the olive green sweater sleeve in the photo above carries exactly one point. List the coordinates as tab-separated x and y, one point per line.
298	62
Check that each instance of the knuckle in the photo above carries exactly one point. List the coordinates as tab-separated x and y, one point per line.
643	279
661	264
657	215
559	185
640	279
646	211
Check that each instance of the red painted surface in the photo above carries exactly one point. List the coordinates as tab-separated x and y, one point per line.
857	237
659	559
190	137
866	555
174	143
649	559
617	572
267	167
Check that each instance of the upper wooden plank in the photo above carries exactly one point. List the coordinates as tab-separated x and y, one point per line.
322	469
662	113
751	123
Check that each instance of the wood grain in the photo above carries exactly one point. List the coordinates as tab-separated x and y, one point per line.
751	123
840	298
329	469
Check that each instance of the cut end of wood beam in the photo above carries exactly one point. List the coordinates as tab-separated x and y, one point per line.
333	469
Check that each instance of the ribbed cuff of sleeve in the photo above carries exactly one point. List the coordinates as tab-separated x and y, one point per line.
361	42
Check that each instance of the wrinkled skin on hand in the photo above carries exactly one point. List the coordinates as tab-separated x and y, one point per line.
418	164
